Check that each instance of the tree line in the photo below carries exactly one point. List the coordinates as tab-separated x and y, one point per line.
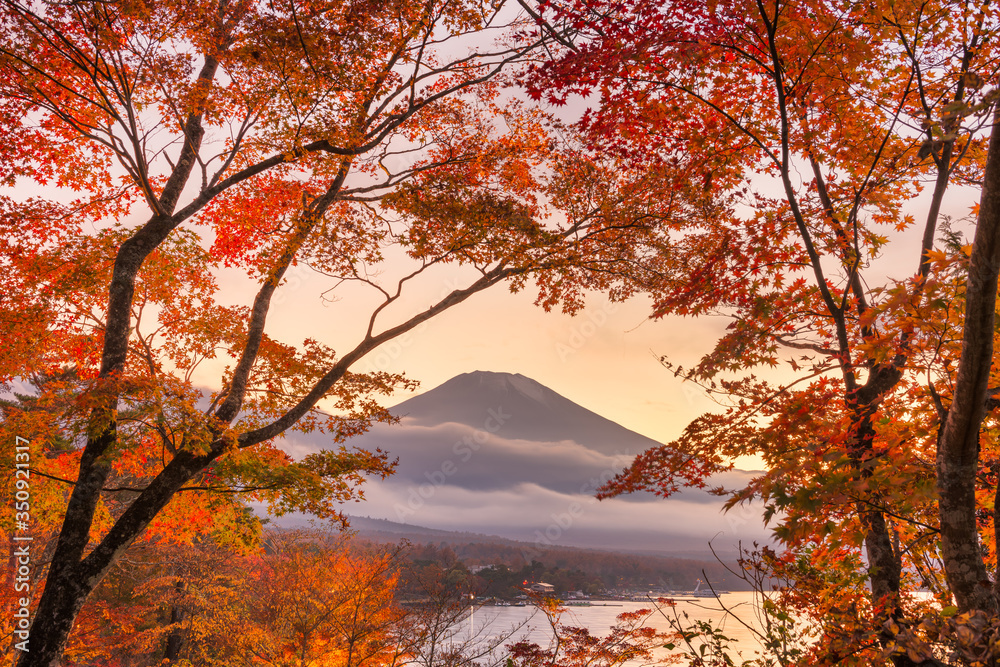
572	569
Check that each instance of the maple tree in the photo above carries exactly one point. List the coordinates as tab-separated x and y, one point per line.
305	599
171	145
787	142
159	604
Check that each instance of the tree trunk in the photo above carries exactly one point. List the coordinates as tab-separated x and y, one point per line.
66	592
885	565
958	439
175	639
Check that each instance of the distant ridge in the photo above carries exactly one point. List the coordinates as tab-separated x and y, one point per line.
384	530
378	529
653	569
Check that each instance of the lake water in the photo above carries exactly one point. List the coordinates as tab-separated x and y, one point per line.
600	617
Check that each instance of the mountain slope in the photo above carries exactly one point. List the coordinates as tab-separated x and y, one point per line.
536	413
500	432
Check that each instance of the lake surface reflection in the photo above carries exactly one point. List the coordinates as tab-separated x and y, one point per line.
601	616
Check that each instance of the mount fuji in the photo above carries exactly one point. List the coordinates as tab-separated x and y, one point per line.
502	454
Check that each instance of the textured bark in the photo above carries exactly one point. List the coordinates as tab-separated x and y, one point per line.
70	580
66	592
884	563
958	440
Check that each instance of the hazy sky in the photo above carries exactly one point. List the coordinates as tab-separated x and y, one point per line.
604	358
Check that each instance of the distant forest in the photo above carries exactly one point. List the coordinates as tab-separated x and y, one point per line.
510	566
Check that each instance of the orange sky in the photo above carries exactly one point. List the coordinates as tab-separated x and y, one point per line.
604	358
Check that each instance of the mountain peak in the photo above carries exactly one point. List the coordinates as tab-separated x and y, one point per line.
504	382
531	411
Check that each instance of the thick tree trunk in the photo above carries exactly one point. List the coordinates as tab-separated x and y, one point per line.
72	575
65	593
958	441
884	566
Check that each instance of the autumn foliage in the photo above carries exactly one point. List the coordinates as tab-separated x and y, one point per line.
304	599
806	170
820	160
156	151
